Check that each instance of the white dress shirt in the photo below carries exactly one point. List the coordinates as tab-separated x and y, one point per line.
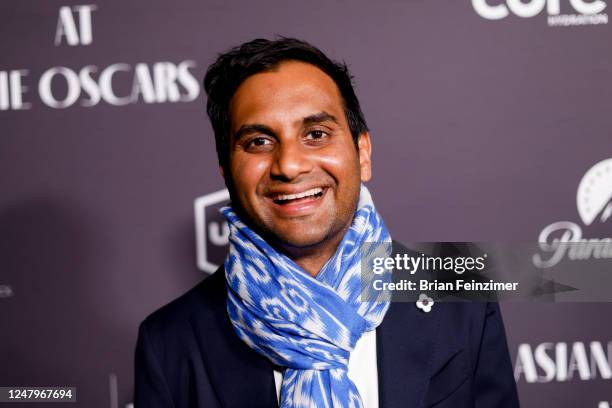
362	370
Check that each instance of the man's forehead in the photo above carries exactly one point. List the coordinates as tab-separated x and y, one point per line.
293	91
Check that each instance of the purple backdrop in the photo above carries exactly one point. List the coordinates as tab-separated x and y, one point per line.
485	116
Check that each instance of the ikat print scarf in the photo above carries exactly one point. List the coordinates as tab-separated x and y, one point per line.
308	325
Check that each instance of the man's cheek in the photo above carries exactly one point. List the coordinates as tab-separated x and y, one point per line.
339	160
252	166
259	166
244	171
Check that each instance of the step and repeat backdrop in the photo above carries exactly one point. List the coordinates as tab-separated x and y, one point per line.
491	120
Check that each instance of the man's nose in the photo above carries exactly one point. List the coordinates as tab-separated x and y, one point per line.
291	160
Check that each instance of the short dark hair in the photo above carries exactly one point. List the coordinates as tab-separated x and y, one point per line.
231	68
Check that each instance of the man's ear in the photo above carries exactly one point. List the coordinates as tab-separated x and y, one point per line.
365	156
222	172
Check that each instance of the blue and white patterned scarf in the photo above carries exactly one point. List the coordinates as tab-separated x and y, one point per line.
308	325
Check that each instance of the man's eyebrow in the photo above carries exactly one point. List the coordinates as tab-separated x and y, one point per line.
253	128
318	118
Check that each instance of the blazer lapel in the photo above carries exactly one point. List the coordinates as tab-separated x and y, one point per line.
240	376
405	343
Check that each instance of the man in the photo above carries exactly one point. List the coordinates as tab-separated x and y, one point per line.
282	324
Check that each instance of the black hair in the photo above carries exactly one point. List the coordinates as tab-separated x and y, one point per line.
231	68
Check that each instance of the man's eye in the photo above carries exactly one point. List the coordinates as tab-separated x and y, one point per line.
316	134
259	141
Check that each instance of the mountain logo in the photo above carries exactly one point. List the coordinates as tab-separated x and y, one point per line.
594	195
565	239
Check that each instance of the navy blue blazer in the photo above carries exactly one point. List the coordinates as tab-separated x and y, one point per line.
456	356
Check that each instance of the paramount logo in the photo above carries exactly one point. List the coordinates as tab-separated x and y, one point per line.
564	239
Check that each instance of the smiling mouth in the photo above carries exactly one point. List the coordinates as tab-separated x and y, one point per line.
313	193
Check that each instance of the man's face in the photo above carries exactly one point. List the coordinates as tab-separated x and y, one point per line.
294	167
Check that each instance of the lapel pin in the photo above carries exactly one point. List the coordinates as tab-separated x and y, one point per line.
424	303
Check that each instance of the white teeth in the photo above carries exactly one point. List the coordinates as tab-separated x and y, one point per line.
311	192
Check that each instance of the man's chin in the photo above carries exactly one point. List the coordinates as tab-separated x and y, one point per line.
299	241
